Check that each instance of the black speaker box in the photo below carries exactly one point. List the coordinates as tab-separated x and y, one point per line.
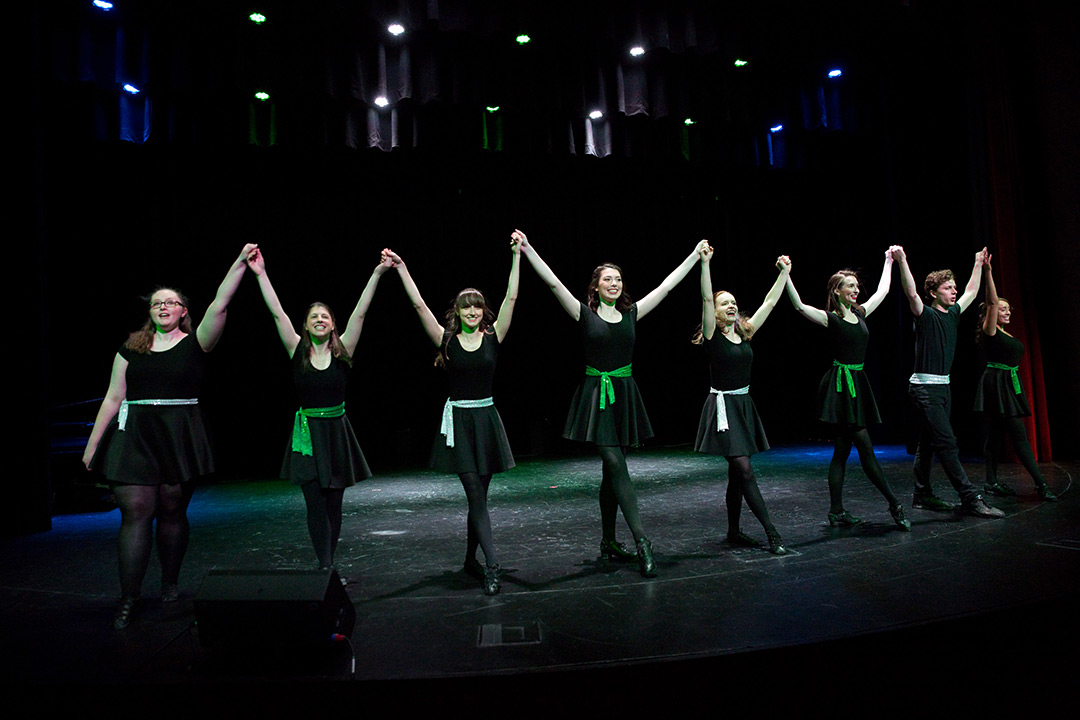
272	608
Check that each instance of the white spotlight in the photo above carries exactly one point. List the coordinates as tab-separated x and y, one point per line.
835	73
396	29
776	128
381	101
596	114
128	87
637	51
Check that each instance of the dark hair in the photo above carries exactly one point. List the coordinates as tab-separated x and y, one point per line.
983	309
592	295
831	303
469	297
142	339
935	280
337	349
743	327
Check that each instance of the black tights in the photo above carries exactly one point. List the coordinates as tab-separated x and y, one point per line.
617	492
479	521
323	519
842	442
139	506
742	485
995	430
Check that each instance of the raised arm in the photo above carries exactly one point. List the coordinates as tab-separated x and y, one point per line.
213	323
993	303
351	336
110	405
907	281
570	303
708	303
813	314
771	297
883	285
648	303
431	326
971	291
506	310
284	326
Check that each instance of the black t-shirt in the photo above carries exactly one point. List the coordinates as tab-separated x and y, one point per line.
174	374
935	339
471	373
608	346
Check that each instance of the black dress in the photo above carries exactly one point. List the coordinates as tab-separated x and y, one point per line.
729	369
608	347
995	394
480	444
160	444
336	460
848	342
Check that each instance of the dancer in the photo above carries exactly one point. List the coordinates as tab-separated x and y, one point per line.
729	423
323	456
999	396
149	439
472	443
935	345
845	400
607	409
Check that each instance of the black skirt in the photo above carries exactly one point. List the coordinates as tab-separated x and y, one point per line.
745	434
336	460
480	444
160	445
624	422
839	408
995	395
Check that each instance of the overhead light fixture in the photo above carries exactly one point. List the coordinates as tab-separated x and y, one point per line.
523	39
596	114
257	18
128	87
637	51
381	101
835	73
396	29
740	63
776	128
262	95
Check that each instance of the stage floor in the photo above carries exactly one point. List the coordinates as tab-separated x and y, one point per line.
967	599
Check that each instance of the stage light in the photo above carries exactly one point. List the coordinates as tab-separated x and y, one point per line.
835	73
689	121
396	29
776	128
381	101
523	39
740	63
637	51
596	114
257	18
493	108
103	5
128	87
262	95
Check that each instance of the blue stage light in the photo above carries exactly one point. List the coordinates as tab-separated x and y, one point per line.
128	87
835	73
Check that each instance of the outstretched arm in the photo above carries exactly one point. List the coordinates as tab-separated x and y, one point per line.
570	303
351	336
771	297
975	281
213	323
110	405
284	326
648	303
907	281
708	304
427	319
506	310
993	303
883	285
813	314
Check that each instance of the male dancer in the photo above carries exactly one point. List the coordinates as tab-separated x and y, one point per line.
935	345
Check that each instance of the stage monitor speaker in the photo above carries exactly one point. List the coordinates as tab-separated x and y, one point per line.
272	608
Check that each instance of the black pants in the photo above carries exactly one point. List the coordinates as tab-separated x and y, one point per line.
933	404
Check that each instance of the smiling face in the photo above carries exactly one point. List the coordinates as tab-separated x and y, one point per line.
319	323
167	309
727	310
609	285
471	316
1004	312
847	292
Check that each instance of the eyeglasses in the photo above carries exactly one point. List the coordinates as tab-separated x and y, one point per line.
167	303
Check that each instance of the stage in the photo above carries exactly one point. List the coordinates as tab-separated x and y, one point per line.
970	599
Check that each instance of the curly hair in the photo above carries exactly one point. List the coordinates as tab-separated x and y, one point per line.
592	295
469	297
935	280
142	339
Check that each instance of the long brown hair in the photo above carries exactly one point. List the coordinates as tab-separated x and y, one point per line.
592	295
743	327
983	309
142	339
337	349
469	297
832	304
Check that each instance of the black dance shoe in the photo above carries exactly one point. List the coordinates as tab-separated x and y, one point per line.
616	552
930	502
999	489
170	592
979	508
1046	493
646	564
742	539
124	613
899	518
491	579
474	568
776	545
843	518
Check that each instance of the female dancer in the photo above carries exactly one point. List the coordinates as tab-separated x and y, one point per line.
729	424
323	456
845	399
999	396
472	443
151	436
607	409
